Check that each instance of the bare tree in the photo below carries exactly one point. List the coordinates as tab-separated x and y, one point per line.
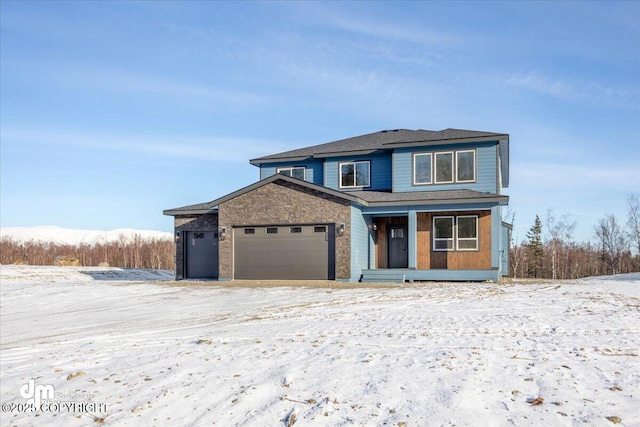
633	220
560	233
613	241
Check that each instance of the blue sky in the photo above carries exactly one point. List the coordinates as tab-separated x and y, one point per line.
114	111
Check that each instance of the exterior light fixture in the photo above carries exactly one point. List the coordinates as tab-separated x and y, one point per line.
374	226
223	233
341	229
177	236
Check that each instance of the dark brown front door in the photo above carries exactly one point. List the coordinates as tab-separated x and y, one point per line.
398	254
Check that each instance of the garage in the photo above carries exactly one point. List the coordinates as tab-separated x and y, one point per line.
201	255
291	252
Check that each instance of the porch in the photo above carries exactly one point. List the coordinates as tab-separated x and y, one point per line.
431	245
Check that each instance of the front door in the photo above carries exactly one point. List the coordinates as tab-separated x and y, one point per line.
398	254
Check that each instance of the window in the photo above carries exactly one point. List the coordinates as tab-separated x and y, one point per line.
443	233
320	229
249	231
444	167
354	174
272	230
465	166
422	169
294	172
294	230
465	229
467	233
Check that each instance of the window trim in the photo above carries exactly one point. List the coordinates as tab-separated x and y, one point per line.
415	155
291	168
454	162
474	165
476	239
453	167
455	240
439	239
354	163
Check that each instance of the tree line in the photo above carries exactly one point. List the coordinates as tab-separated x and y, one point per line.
126	252
549	250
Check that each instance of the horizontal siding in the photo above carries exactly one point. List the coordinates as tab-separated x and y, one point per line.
360	235
313	170
380	171
486	168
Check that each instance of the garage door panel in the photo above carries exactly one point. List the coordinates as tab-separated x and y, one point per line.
201	255
283	255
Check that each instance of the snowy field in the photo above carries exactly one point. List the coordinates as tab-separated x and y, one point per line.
151	353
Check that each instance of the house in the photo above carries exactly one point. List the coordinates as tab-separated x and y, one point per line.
390	205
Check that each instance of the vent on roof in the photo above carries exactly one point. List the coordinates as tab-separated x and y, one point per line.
392	130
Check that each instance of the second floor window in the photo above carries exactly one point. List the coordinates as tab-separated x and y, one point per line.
294	172
446	167
355	174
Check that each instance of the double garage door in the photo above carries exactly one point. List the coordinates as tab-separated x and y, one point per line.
290	252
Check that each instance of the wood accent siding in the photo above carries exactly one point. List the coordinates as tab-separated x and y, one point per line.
454	260
381	248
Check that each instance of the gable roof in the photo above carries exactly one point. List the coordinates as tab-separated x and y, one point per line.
212	206
363	198
383	140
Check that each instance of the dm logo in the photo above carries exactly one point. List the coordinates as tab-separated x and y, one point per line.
35	394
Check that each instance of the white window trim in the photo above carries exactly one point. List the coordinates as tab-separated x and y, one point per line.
415	155
474	165
354	174
435	168
291	168
467	239
452	238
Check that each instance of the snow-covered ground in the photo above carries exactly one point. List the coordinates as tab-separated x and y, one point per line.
67	236
463	354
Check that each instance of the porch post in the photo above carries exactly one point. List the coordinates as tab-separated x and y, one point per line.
413	238
496	229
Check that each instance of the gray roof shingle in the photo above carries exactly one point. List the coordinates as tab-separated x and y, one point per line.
385	139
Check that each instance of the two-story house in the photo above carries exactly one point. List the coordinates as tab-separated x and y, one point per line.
391	205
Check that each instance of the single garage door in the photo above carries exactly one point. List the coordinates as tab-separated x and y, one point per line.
291	252
201	254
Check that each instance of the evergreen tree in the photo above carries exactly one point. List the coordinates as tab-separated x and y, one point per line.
534	248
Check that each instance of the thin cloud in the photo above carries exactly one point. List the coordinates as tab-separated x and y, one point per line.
367	26
577	91
202	148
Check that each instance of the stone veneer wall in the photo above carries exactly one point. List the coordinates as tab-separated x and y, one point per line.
284	203
182	223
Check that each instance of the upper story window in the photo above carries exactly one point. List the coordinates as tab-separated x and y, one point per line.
465	166
422	168
445	167
294	172
355	174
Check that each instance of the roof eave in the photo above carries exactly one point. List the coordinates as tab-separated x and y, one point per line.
178	211
500	200
259	161
489	138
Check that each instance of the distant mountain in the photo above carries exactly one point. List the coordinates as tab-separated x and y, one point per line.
67	236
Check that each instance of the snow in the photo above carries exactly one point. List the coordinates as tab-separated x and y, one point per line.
67	236
156	352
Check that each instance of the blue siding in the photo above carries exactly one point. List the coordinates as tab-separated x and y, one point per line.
360	237
313	169
380	171
486	168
